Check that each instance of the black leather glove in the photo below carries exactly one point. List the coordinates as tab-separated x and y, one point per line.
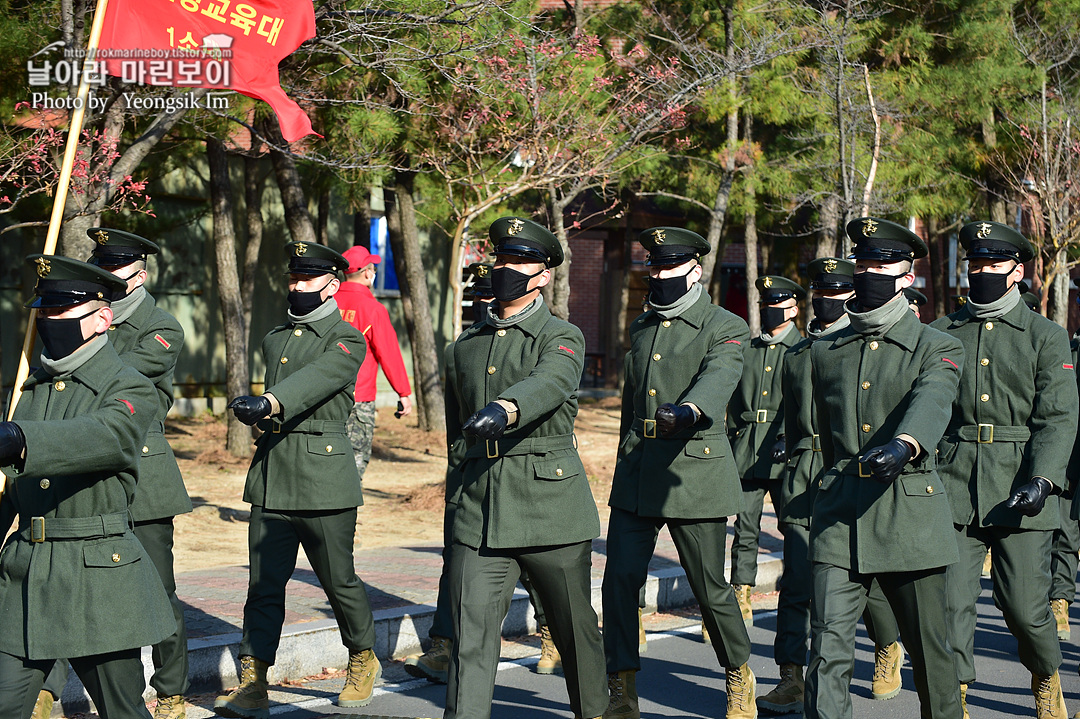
779	450
250	410
672	418
1029	499
12	442
886	462
488	422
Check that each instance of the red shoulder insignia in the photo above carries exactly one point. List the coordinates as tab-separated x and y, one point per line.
566	349
344	348
161	339
1066	366
733	342
946	359
129	405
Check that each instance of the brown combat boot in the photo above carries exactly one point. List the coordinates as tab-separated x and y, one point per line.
1049	701
364	670
742	596
787	696
43	706
642	640
988	567
170	707
250	699
963	700
705	633
622	696
887	663
741	687
550	661
1060	610
432	664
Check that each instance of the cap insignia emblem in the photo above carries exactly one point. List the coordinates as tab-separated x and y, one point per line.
961	301
984	230
101	237
659	236
301	249
830	265
515	227
482	271
44	267
767	282
869	227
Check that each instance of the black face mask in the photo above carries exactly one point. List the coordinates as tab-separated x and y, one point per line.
874	289
828	309
667	291
508	284
62	336
772	317
302	303
987	287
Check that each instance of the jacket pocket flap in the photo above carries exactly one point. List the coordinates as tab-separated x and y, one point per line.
704	448
328	444
110	553
556	469
921	484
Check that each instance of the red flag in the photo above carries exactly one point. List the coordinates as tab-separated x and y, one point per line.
210	43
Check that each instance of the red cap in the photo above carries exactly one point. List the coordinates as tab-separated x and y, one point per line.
358	258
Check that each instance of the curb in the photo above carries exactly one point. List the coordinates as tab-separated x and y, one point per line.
308	648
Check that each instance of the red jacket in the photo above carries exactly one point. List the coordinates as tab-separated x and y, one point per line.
361	310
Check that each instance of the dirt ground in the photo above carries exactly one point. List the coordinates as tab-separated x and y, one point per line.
403	485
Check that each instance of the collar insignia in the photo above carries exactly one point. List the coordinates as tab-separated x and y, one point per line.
44	267
659	236
515	227
869	227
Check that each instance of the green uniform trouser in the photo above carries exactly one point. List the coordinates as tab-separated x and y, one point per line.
273	541
1063	553
1021	571
114	682
631	541
360	426
170	656
793	603
442	624
484	580
744	548
918	602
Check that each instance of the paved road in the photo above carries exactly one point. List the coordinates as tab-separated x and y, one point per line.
679	678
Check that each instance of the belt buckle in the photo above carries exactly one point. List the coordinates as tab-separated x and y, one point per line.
37	529
649	434
762	416
489	444
815	443
990	439
867	474
275	426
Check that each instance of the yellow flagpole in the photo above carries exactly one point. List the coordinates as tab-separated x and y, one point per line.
74	131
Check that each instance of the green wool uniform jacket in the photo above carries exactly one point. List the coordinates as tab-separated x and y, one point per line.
89	587
1073	471
1018	377
755	415
696	357
456	446
303	460
804	465
150	341
868	389
528	488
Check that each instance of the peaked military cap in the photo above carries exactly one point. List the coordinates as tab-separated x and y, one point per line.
995	241
831	273
116	248
670	246
481	285
311	258
877	239
521	237
773	289
914	297
64	282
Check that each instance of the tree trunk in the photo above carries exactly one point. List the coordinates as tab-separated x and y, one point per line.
253	189
939	267
297	217
1057	301
409	262
615	281
830	226
322	231
559	298
237	379
995	189
751	239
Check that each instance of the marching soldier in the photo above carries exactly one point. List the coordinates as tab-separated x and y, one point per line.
755	426
916	300
675	466
1005	455
1063	558
303	484
831	282
524	500
71	458
883	388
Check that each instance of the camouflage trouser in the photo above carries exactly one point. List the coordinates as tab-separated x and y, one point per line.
361	428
